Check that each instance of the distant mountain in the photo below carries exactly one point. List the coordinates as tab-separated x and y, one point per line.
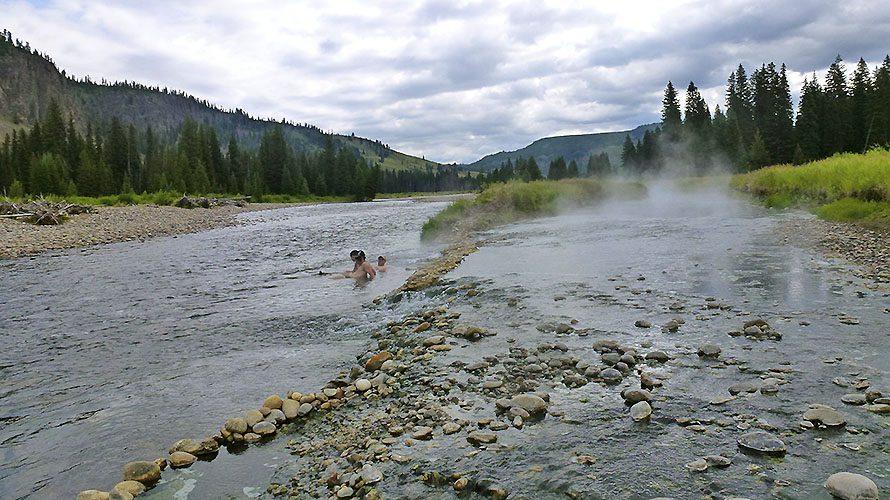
29	80
570	147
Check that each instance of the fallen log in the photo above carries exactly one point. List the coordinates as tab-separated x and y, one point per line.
202	202
41	211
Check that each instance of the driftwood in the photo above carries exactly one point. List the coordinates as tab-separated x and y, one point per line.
202	202
41	212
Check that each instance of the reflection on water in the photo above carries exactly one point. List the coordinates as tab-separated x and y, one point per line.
110	354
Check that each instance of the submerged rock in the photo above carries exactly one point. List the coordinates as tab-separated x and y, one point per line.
642	323
849	486
479	437
371	474
133	488
632	396
825	415
762	442
709	351
640	411
610	376
534	405
699	465
147	473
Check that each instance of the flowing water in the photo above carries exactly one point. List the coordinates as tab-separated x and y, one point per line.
110	354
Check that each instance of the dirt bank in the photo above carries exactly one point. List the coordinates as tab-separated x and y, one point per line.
116	224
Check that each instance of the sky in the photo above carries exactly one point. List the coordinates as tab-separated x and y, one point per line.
449	80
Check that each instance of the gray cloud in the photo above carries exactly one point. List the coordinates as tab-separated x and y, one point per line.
451	80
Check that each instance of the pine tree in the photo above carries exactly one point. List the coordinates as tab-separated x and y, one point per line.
810	118
116	154
629	156
835	132
534	172
573	169
861	110
54	132
670	113
880	130
758	154
558	169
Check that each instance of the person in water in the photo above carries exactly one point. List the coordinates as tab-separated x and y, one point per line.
352	256
381	264
363	269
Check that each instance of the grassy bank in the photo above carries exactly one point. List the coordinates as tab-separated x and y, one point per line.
170	197
846	187
504	203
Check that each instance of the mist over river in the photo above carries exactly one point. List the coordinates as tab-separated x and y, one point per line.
111	354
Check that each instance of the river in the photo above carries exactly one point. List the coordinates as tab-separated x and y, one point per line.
166	339
112	353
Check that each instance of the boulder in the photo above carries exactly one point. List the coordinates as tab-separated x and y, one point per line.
147	473
92	495
825	415
534	405
849	486
264	428
236	425
290	408
640	411
181	459
642	323
480	437
709	351
273	402
132	487
193	446
252	417
762	442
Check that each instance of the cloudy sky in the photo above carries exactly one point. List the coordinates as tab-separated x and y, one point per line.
449	79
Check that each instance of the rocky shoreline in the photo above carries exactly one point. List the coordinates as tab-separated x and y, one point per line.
116	224
868	249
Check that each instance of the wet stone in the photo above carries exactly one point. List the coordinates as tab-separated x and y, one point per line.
273	402
181	459
451	428
236	425
371	474
611	358
305	409
264	428
146	473
610	376
422	433
133	488
762	442
640	411
252	417
709	351
92	495
632	396
850	486
362	385
697	465
825	415
534	405
642	323
854	399
480	437
741	387
658	356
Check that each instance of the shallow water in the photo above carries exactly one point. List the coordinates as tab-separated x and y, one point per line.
659	258
110	354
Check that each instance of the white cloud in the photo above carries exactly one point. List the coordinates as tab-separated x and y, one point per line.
451	80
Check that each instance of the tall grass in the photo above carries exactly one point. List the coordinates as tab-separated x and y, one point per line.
501	203
844	187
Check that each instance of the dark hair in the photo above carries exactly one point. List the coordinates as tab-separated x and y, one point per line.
380	257
360	256
353	254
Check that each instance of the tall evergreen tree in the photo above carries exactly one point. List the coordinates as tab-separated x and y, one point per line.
881	100
670	113
810	118
116	154
836	136
861	110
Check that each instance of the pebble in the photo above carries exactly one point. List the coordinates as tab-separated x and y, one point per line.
850	486
642	323
632	396
273	402
92	495
718	461
345	492
290	408
133	488
640	411
741	387
451	428
461	484
252	417
362	385
658	356
376	361
305	409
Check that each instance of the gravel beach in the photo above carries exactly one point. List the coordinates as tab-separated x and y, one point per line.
116	224
869	249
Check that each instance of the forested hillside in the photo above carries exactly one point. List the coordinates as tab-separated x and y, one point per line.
67	136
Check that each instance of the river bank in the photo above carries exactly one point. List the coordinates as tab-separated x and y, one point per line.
116	224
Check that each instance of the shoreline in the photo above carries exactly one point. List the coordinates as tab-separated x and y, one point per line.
118	224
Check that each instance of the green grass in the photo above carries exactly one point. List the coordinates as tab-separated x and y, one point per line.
507	202
845	187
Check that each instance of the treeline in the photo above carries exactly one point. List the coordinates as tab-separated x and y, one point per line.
443	178
527	170
759	126
54	158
